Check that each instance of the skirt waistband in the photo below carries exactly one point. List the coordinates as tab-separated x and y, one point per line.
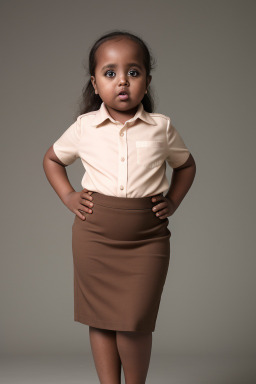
124	202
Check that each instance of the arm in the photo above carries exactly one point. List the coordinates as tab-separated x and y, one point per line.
56	174
182	176
182	179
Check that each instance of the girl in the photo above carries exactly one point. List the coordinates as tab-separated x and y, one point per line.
120	235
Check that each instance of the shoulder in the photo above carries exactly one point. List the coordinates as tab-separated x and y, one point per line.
160	118
86	116
77	128
85	121
158	115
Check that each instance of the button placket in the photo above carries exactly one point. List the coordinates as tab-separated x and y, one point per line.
122	164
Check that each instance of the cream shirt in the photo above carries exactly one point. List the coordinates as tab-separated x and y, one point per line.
124	160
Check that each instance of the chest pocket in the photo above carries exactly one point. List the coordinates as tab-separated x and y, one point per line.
150	154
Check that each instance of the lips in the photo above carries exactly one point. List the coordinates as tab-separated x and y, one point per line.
123	95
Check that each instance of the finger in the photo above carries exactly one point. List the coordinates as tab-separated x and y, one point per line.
159	206
79	214
162	205
162	217
162	212
157	197
86	203
84	208
86	195
86	190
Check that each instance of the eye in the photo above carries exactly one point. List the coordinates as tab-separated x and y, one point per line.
109	72
134	70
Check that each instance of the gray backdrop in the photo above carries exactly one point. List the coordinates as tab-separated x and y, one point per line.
205	81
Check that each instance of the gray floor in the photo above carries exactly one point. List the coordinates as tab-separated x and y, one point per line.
163	370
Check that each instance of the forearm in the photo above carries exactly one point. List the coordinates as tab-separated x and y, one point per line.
181	182
58	178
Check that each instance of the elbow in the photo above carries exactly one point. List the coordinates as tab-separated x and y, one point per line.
191	163
46	159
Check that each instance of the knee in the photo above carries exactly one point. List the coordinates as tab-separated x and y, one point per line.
134	333
101	329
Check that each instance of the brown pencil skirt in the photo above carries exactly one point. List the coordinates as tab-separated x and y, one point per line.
121	255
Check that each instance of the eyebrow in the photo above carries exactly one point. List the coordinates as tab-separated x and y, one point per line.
114	66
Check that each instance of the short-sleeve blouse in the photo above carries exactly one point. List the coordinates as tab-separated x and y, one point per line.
124	160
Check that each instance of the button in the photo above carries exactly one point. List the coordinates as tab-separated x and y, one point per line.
122	159
121	187
121	134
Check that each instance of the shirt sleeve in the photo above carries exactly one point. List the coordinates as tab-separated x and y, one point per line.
177	152
66	147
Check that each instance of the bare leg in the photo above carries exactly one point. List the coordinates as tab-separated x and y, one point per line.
135	351
105	355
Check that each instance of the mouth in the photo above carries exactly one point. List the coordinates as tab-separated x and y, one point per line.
123	95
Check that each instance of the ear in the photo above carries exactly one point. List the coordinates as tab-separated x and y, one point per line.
149	78
94	84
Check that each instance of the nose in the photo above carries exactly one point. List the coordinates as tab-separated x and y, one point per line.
123	80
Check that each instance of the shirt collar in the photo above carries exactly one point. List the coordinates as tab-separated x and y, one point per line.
102	114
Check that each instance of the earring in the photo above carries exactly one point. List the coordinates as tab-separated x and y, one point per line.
146	91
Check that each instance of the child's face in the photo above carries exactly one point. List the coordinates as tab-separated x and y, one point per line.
109	81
